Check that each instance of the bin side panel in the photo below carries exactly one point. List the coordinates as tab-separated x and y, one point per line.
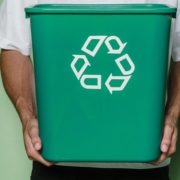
78	124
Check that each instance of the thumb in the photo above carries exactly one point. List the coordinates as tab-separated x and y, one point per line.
33	132
167	137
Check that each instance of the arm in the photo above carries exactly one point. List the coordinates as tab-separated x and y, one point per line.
172	113
18	79
168	144
17	71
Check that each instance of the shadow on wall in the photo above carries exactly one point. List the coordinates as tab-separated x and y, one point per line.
175	163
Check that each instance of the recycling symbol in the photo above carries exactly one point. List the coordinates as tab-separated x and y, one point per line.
81	75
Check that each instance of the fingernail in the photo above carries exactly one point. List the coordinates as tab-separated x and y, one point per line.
37	146
164	148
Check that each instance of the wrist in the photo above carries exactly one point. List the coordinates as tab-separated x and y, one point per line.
173	113
25	110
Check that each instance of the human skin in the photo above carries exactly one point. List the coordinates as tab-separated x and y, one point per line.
18	79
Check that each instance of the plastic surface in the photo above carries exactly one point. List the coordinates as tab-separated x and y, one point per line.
102	8
100	84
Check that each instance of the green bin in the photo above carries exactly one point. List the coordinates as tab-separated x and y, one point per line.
100	73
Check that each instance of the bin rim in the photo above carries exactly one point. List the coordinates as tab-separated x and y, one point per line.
101	8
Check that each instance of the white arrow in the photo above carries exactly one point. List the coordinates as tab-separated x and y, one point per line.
119	42
96	48
89	86
117	78
84	66
130	62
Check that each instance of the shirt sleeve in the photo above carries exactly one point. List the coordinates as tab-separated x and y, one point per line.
14	27
176	36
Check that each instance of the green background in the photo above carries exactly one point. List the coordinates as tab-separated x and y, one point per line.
14	164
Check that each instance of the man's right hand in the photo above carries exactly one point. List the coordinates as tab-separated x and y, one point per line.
32	141
18	79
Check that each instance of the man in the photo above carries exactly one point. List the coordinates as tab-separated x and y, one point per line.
18	78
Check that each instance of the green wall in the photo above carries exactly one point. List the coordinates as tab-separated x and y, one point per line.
175	163
14	164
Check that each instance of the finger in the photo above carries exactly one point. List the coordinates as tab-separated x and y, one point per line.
33	154
172	148
167	136
27	142
162	158
34	135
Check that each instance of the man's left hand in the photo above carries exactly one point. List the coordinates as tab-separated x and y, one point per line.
169	140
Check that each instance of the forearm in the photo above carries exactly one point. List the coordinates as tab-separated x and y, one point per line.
173	101
17	75
18	79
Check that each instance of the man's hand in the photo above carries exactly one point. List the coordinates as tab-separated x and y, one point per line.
18	79
169	140
172	115
32	141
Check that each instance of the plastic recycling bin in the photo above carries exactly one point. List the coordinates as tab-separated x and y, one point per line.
100	73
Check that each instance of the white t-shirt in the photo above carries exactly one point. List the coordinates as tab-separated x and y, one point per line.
15	35
15	29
